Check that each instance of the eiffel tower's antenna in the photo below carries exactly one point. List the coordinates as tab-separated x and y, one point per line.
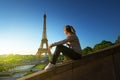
44	41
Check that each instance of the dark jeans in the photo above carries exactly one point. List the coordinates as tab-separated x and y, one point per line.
66	52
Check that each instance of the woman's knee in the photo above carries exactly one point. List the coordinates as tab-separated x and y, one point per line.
59	46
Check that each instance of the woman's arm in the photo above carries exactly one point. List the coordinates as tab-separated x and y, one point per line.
68	39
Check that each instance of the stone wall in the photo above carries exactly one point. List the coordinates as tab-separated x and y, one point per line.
100	65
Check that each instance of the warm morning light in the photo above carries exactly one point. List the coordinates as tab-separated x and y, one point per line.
59	39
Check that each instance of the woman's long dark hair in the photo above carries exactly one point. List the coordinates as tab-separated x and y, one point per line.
70	29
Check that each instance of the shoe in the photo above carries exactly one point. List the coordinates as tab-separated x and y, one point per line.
49	66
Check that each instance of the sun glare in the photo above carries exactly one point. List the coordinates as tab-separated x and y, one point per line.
14	46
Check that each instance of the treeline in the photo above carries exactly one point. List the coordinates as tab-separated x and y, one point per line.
9	61
15	58
103	44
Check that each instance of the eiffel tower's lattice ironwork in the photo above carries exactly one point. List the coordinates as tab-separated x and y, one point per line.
44	42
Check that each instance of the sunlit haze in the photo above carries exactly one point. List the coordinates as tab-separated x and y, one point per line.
21	22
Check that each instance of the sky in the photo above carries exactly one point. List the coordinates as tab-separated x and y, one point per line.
21	22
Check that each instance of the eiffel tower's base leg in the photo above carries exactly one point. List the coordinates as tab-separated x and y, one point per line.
41	51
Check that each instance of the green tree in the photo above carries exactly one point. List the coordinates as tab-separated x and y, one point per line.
87	50
118	40
102	45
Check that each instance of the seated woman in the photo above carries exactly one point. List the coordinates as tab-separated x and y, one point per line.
74	51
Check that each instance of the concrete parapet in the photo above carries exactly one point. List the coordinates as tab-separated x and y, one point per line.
100	65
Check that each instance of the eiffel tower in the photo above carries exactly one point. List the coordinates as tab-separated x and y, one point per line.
44	41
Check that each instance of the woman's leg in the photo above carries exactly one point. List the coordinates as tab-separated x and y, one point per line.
66	51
